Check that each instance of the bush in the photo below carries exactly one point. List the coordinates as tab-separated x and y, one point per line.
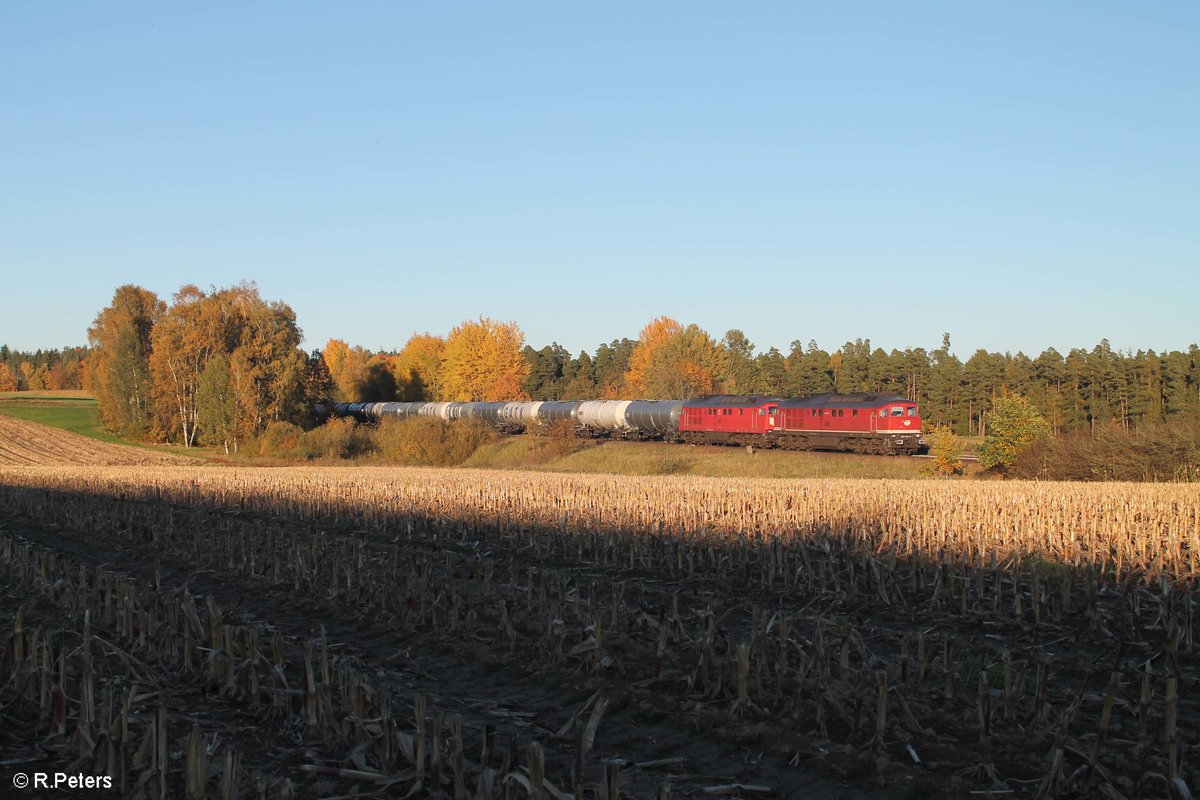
554	440
279	440
337	438
429	441
947	450
1162	452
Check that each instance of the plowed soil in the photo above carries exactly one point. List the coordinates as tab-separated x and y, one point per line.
28	443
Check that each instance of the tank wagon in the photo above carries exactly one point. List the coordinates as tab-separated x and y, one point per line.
857	423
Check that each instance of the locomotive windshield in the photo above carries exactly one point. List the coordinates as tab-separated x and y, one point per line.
912	411
897	411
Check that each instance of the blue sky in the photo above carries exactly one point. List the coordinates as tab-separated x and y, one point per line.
1021	174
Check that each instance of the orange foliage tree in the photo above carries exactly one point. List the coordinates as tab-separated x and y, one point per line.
482	360
650	341
673	362
8	381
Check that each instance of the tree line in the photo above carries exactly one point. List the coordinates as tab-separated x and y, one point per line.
1094	389
217	367
42	369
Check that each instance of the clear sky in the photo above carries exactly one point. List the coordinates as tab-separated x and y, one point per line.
1020	174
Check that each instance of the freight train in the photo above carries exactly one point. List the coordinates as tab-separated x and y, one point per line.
857	423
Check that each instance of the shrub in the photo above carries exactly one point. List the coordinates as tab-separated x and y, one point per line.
947	450
429	441
1163	452
280	440
337	438
555	439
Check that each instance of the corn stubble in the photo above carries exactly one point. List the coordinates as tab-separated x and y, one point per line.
1011	639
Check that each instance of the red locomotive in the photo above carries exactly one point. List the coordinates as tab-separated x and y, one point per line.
858	423
729	419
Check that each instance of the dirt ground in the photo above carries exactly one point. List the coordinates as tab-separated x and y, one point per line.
515	700
715	674
28	443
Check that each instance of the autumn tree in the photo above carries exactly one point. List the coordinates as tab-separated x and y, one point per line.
119	364
946	450
346	367
651	340
265	364
8	381
417	368
686	365
482	361
1013	425
181	345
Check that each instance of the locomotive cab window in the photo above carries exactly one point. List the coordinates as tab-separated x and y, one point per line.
897	411
912	411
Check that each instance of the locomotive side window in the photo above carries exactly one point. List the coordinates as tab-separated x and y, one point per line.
854	413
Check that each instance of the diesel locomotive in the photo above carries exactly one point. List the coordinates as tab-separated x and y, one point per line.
857	423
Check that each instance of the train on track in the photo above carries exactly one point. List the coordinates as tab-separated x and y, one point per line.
858	423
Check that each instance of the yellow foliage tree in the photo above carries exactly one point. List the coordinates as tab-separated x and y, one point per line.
348	369
651	340
482	361
686	365
417	367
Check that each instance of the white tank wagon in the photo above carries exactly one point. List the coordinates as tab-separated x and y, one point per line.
439	410
603	417
519	416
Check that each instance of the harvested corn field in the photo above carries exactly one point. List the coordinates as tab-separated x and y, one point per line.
325	632
28	443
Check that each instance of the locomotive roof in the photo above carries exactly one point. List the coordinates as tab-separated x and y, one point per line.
832	400
730	401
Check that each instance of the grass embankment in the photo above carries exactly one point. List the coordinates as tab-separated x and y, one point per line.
73	411
656	458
